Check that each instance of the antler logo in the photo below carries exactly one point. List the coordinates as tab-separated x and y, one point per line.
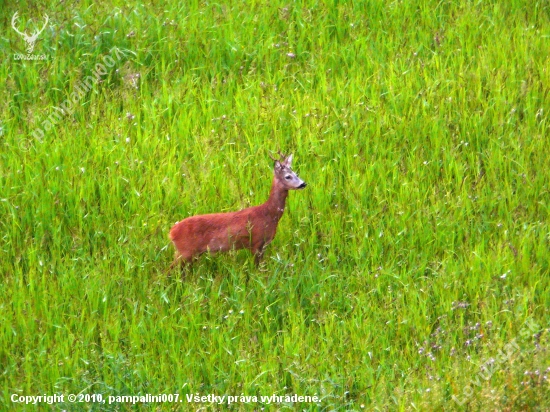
30	40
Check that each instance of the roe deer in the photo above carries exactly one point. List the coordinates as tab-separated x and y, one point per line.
252	228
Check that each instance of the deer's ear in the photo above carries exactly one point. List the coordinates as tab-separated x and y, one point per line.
277	165
288	161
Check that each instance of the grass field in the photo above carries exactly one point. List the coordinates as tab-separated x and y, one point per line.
411	274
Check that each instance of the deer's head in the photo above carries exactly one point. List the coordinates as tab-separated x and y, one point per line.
284	174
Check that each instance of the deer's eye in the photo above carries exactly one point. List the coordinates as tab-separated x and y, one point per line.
287	177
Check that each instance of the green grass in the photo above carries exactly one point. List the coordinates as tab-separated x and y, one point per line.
418	251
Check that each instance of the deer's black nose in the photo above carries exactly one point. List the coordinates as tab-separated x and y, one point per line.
302	185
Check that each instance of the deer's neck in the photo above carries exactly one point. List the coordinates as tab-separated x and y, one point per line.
277	200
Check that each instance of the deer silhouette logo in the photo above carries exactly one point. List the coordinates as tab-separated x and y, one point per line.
30	40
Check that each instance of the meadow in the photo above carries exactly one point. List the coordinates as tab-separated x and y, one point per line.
411	274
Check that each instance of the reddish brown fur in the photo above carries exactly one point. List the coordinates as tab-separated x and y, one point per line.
252	228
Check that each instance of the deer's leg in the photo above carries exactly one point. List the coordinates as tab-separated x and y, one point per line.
177	259
184	261
259	253
258	258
